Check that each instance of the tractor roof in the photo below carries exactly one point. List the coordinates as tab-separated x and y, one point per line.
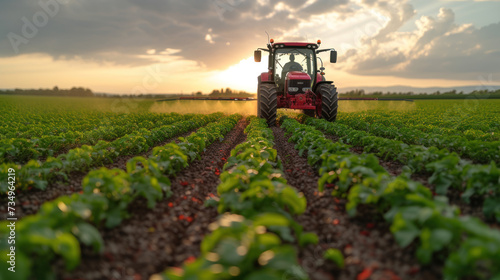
294	44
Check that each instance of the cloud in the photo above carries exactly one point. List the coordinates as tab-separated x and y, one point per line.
470	53
319	7
121	31
438	49
397	12
219	33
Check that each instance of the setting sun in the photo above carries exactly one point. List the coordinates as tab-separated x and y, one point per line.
242	75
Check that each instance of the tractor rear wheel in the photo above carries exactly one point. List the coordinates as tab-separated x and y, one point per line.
258	96
329	101
268	103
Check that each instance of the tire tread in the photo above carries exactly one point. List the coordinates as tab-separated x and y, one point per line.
329	102
268	103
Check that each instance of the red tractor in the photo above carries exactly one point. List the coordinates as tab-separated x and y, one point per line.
294	81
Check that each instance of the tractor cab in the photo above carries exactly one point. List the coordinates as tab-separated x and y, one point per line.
294	81
294	69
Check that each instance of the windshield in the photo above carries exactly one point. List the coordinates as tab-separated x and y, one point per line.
293	59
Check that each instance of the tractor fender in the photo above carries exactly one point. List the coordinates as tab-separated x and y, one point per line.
320	83
265	77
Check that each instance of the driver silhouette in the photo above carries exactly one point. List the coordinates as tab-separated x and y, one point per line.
291	66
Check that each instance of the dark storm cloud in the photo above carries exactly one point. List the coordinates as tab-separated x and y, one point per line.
118	31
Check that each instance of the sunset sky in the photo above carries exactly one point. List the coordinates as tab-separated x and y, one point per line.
167	46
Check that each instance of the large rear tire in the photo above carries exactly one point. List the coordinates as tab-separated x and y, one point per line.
268	103
258	96
329	101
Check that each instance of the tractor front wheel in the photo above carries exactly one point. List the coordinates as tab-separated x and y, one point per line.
329	101
268	103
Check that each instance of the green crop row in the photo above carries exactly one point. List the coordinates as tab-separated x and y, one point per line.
469	134
480	151
37	174
480	121
446	169
471	247
20	150
63	225
250	240
28	124
29	117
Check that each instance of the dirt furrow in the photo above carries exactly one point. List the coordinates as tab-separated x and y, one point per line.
171	233
365	241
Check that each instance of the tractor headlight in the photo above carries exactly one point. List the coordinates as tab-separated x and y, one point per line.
293	89
306	89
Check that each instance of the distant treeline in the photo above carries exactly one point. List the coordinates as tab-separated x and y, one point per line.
141	96
228	93
79	92
215	93
453	94
75	91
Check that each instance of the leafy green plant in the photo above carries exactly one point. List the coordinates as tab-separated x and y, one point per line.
44	142
38	175
244	249
335	256
114	186
414	213
447	169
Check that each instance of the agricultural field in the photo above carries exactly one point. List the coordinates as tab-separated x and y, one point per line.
106	188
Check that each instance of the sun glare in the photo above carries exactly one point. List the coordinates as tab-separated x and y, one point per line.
242	76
